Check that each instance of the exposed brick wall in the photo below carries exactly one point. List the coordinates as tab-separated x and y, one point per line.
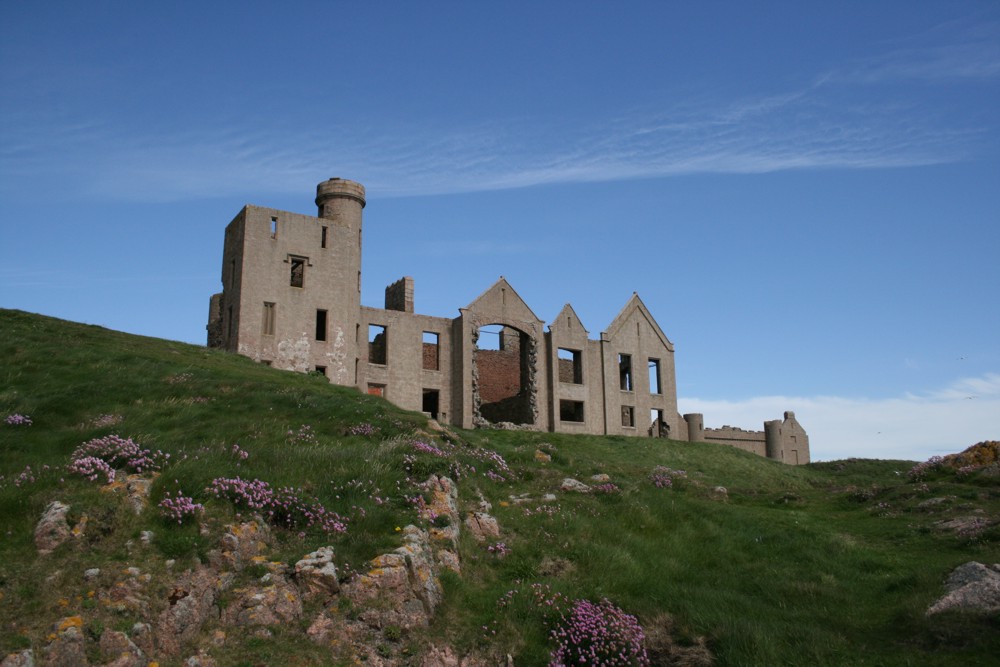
499	374
430	353
566	370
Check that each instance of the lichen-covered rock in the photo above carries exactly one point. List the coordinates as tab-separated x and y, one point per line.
120	650
272	604
401	588
191	603
482	526
316	574
241	544
443	503
25	658
971	587
66	646
53	529
600	478
570	484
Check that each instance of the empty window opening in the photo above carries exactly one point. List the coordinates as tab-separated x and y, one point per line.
376	390
322	210
274	227
625	372
267	325
503	361
431	402
570	366
232	272
658	426
571	411
298	275
490	337
377	344
321	370
654	377
320	325
628	416
229	323
431	351
322	237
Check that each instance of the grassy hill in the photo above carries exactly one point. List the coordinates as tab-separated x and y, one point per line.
827	564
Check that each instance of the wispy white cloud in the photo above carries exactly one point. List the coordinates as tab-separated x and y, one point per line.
910	427
844	119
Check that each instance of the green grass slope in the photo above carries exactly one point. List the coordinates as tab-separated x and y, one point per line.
827	564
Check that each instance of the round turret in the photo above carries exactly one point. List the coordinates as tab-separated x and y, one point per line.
332	195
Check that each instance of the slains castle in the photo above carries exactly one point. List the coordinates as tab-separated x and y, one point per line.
291	298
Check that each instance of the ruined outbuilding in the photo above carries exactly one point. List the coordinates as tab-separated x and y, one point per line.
291	299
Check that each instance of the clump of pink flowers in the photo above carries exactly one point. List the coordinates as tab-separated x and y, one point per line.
283	507
499	549
18	420
427	448
662	477
598	634
919	471
607	488
304	435
117	453
91	467
362	429
178	508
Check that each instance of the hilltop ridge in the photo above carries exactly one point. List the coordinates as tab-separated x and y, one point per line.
195	483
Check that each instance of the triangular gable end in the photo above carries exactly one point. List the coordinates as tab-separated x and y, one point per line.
633	305
567	320
508	299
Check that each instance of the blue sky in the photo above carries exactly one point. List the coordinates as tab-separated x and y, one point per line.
806	195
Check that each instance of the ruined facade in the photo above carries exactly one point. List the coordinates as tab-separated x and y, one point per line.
291	298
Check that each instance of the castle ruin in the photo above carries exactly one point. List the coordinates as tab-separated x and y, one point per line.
291	299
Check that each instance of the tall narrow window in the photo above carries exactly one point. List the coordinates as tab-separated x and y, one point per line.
628	416
274	227
229	323
625	372
298	275
654	377
267	325
232	272
377	344
322	237
431	351
320	325
570	366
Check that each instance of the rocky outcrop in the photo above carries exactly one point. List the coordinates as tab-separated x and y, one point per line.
120	650
241	545
972	587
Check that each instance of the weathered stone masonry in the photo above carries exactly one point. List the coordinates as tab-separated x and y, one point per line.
291	298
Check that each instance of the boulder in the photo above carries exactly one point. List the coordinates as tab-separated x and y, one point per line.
570	484
191	603
120	650
53	529
971	587
482	526
66	648
241	544
276	603
25	658
316	574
